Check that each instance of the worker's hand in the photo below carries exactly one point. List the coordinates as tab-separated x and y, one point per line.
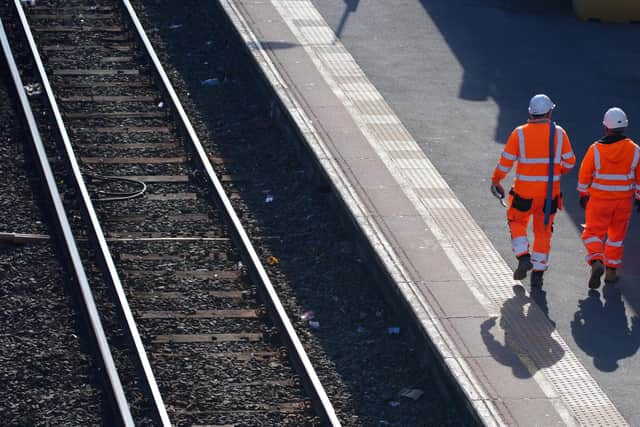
497	190
584	199
638	205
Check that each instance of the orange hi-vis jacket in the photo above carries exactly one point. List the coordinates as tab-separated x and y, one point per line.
610	169
529	146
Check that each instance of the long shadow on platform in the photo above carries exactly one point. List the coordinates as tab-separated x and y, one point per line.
525	322
602	330
350	6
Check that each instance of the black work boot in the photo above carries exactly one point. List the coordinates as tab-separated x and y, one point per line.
524	265
597	270
536	279
610	275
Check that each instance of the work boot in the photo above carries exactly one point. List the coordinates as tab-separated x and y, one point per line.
610	275
597	269
524	265
536	279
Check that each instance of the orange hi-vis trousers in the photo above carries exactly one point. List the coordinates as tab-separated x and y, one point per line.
608	217
519	220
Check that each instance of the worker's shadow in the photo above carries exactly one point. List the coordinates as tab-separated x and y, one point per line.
602	329
528	344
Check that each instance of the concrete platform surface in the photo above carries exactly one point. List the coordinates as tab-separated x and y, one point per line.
459	75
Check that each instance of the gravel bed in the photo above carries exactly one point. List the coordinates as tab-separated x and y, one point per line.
139	169
199	251
114	107
47	376
173	350
96	150
113	122
153	327
362	365
64	82
191	301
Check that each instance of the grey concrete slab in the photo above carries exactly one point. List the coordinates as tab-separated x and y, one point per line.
533	412
389	201
431	263
468	332
454	297
508	378
349	138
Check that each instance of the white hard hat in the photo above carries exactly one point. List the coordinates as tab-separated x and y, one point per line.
540	104
615	118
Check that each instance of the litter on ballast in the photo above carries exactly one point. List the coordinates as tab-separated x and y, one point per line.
210	82
314	324
308	315
393	330
33	89
411	393
271	260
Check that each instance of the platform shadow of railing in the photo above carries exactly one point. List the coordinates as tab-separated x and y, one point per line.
603	331
528	343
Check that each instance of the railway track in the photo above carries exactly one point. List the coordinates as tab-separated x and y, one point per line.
203	328
45	370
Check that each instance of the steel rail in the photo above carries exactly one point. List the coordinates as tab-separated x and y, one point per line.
96	235
299	358
67	244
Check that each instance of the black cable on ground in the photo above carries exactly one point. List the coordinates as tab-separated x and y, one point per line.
118	196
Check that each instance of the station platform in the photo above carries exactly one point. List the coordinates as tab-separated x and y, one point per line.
406	106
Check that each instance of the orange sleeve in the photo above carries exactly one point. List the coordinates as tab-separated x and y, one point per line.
585	175
568	160
638	179
507	158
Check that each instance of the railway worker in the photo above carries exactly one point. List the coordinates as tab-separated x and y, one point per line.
543	152
608	181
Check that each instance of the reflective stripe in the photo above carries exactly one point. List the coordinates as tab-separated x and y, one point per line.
612	177
520	245
539	257
583	187
503	168
530	178
612	187
617	244
539	261
591	240
537	161
559	141
568	155
521	141
540	266
592	256
509	156
567	165
614	261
